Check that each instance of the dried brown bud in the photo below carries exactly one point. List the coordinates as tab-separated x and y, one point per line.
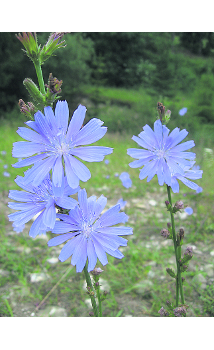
181	233
165	233
96	271
163	312
54	84
179	205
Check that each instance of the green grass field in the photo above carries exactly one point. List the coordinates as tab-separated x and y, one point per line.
139	284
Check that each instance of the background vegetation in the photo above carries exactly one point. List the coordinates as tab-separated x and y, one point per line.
120	77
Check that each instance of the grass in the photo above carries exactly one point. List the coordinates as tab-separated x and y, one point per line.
146	256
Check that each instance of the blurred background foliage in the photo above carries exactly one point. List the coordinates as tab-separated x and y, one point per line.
113	72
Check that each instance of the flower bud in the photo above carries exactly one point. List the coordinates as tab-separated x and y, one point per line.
29	110
91	313
170	272
52	45
169	224
34	91
167	116
29	41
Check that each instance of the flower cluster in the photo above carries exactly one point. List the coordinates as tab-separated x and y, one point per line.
162	155
52	146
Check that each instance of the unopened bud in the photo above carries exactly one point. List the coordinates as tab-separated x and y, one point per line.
29	110
167	116
91	313
29	41
170	272
34	91
169	224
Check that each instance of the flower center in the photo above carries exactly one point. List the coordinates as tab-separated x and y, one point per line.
63	148
160	154
86	229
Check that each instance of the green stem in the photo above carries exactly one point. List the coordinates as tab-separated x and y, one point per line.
177	254
89	284
39	76
99	301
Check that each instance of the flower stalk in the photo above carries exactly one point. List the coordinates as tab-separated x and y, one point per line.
39	75
90	287
177	247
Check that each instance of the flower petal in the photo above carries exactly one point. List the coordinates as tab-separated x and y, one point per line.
62	115
60	239
72	178
80	169
26	149
69	248
91	153
92	256
76	122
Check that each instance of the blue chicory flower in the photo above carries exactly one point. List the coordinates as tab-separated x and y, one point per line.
90	234
106	161
188	210
125	178
56	142
163	155
182	111
40	200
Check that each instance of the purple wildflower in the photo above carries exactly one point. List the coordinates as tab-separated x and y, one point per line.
89	233
56	143
39	200
163	154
